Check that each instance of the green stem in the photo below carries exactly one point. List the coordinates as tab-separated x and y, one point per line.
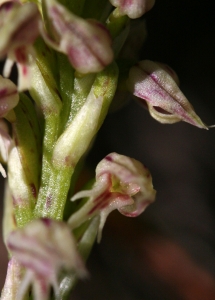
52	203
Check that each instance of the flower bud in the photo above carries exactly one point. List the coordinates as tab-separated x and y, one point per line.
44	247
133	8
155	84
87	43
121	183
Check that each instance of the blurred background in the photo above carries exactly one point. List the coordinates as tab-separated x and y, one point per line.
169	252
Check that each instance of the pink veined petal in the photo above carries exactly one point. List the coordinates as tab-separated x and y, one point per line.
87	43
44	247
19	26
121	183
167	104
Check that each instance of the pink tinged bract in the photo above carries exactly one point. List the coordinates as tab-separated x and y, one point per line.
19	27
122	183
87	43
154	83
133	8
44	247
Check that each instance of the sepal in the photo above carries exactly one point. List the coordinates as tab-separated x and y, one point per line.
157	85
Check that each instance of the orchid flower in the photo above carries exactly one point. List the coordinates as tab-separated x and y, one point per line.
87	43
19	27
122	183
44	247
155	84
133	8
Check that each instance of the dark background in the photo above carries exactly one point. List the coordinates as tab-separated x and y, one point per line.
169	252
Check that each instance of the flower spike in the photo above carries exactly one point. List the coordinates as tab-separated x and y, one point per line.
133	8
44	247
87	43
122	183
156	84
